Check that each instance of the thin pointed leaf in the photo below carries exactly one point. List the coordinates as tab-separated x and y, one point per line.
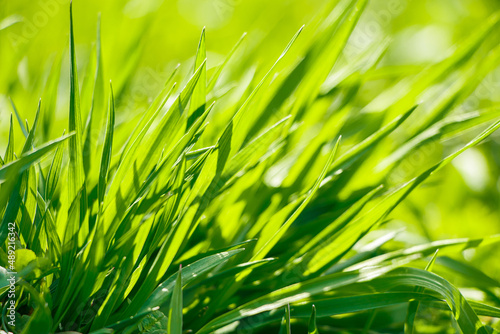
107	148
175	310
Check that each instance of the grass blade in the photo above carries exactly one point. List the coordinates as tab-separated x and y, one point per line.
107	149
9	151
312	329
76	175
175	310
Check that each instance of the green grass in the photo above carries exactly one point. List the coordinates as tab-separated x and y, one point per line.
266	207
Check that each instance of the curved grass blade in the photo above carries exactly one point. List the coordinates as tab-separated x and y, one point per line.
291	294
425	250
413	305
164	290
463	313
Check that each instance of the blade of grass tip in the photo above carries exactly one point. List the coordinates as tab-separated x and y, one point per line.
28	144
76	176
9	151
10	21
429	265
108	143
312	329
215	77
285	321
413	305
175	311
96	106
23	128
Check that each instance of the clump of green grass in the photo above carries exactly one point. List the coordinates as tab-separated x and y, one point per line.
265	212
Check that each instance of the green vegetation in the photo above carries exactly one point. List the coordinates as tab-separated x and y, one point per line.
260	193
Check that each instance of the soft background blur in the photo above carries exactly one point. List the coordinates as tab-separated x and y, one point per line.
461	201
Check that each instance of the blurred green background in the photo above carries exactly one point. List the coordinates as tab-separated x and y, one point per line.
461	201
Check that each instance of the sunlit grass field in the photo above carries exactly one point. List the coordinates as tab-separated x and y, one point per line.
235	166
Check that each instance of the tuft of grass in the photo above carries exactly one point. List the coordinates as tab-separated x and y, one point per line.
217	208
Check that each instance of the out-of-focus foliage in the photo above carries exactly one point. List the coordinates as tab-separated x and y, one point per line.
282	166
